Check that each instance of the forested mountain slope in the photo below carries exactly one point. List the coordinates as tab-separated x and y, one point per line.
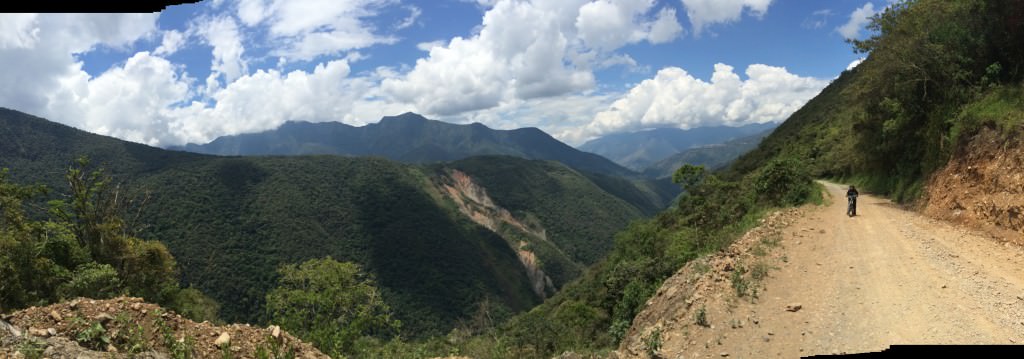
231	221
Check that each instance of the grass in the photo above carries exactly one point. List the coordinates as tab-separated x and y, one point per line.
1002	108
759	271
739	283
91	335
32	348
701	317
183	349
652	343
132	336
759	251
772	240
274	350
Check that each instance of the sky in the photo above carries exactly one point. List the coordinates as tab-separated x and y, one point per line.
577	69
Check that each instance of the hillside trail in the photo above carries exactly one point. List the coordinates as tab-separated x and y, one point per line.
884	277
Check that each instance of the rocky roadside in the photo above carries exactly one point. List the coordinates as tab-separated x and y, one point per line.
127	327
689	306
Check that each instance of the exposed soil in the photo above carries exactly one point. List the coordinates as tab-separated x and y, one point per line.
982	186
133	329
839	285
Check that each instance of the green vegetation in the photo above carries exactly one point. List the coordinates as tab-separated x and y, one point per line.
330	304
234	221
91	335
579	217
935	74
592	314
231	222
32	348
80	245
184	349
652	343
274	350
701	317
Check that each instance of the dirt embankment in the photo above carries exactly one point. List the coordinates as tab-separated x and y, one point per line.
130	328
982	186
837	284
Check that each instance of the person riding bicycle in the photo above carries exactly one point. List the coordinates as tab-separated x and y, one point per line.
851	196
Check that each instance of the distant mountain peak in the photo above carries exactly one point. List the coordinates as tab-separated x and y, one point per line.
405	117
410	137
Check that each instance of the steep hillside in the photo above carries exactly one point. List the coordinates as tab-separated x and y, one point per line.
39	151
575	215
937	73
713	156
408	138
639	150
898	117
230	221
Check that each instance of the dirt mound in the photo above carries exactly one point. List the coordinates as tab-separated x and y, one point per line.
130	328
708	288
982	186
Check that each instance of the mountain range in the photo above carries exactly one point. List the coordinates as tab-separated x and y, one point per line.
409	138
639	150
438	238
713	157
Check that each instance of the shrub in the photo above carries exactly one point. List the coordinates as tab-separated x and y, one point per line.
783	182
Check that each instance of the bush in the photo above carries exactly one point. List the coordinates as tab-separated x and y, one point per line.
331	304
93	280
194	305
783	182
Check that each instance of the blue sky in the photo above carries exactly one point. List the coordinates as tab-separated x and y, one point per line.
577	69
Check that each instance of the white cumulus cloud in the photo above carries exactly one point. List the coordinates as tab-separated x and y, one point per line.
529	49
18	31
131	102
172	41
426	46
223	35
858	19
40	56
304	29
414	13
706	12
608	24
674	98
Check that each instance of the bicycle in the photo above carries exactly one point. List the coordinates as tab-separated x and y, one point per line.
851	209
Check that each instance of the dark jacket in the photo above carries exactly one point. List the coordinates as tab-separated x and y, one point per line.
852	192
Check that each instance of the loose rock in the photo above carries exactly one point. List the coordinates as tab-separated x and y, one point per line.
222	340
56	316
103	318
794	307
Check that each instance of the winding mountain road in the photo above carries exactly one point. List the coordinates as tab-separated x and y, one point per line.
885	277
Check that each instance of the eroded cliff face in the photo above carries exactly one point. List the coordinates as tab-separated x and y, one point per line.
982	186
473	201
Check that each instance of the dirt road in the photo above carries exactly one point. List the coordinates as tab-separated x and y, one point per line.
884	277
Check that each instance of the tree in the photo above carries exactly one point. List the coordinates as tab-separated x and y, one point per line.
330	303
82	247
